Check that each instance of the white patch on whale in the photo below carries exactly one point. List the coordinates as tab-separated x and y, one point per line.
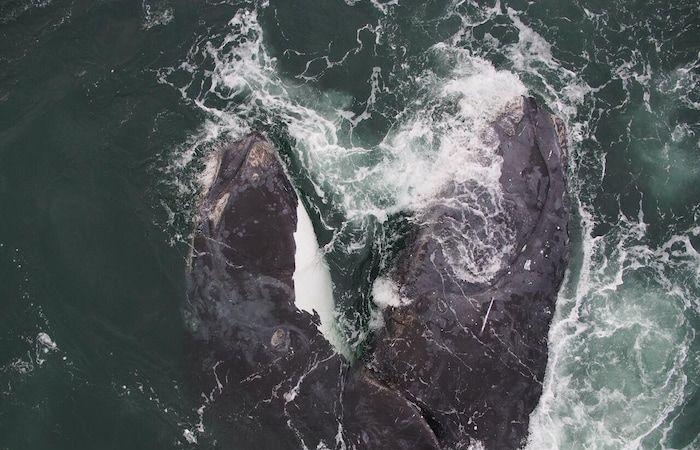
313	288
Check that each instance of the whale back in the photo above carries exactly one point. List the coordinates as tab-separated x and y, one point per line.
473	355
267	376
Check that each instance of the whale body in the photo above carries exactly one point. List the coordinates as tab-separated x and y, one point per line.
269	378
457	363
472	355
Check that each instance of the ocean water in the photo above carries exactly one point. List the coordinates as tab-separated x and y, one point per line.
109	111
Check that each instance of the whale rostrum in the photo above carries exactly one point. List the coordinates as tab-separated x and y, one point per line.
459	363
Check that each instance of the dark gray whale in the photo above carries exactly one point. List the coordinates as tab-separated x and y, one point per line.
473	355
269	378
460	363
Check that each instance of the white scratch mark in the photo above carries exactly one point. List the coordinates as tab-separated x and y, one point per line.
486	317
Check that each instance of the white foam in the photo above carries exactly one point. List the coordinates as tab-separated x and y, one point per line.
386	293
46	342
592	396
313	287
189	436
532	54
156	13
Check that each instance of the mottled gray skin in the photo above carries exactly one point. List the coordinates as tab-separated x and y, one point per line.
477	374
268	377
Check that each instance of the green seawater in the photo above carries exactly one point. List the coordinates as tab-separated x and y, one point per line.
109	109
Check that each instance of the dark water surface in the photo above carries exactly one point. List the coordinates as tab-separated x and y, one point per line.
109	109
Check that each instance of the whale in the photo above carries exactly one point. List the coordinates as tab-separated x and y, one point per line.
458	364
257	358
472	354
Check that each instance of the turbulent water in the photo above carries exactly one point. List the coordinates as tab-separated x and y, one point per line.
109	111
